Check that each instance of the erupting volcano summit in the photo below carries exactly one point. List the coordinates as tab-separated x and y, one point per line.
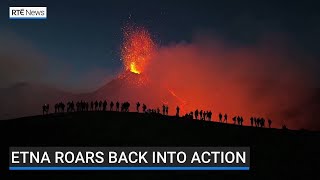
137	49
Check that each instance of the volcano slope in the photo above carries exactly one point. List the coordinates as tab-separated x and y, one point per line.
274	152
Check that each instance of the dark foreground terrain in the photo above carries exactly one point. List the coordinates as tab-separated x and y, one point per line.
275	153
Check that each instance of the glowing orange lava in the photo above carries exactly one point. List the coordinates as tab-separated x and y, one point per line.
133	68
137	49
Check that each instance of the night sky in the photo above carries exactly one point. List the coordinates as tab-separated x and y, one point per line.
82	38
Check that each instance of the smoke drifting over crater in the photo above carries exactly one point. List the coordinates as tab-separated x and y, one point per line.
263	80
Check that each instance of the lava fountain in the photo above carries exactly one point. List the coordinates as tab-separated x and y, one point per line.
137	50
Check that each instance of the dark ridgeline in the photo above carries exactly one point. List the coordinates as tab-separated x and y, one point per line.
125	106
275	153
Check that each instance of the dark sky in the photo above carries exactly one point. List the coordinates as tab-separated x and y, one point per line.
85	35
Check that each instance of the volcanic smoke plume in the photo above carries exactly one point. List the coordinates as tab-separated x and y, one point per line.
260	81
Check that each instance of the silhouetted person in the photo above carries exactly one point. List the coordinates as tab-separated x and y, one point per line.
100	105
251	120
104	105
96	105
196	113
68	106
209	115
91	105
163	109
262	122
269	122
122	107
238	119
190	115
178	110
201	115
111	106
62	106
77	105
45	109
204	115
127	106
144	107
138	106
234	119
167	110
56	108
71	107
225	118
117	106
241	120
158	110
220	117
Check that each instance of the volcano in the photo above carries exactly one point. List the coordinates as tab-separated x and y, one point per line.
135	88
134	84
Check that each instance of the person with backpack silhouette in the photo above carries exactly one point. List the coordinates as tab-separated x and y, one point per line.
225	118
234	119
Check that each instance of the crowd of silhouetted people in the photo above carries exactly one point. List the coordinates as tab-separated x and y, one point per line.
205	115
82	106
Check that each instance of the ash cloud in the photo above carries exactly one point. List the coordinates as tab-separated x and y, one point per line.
268	79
